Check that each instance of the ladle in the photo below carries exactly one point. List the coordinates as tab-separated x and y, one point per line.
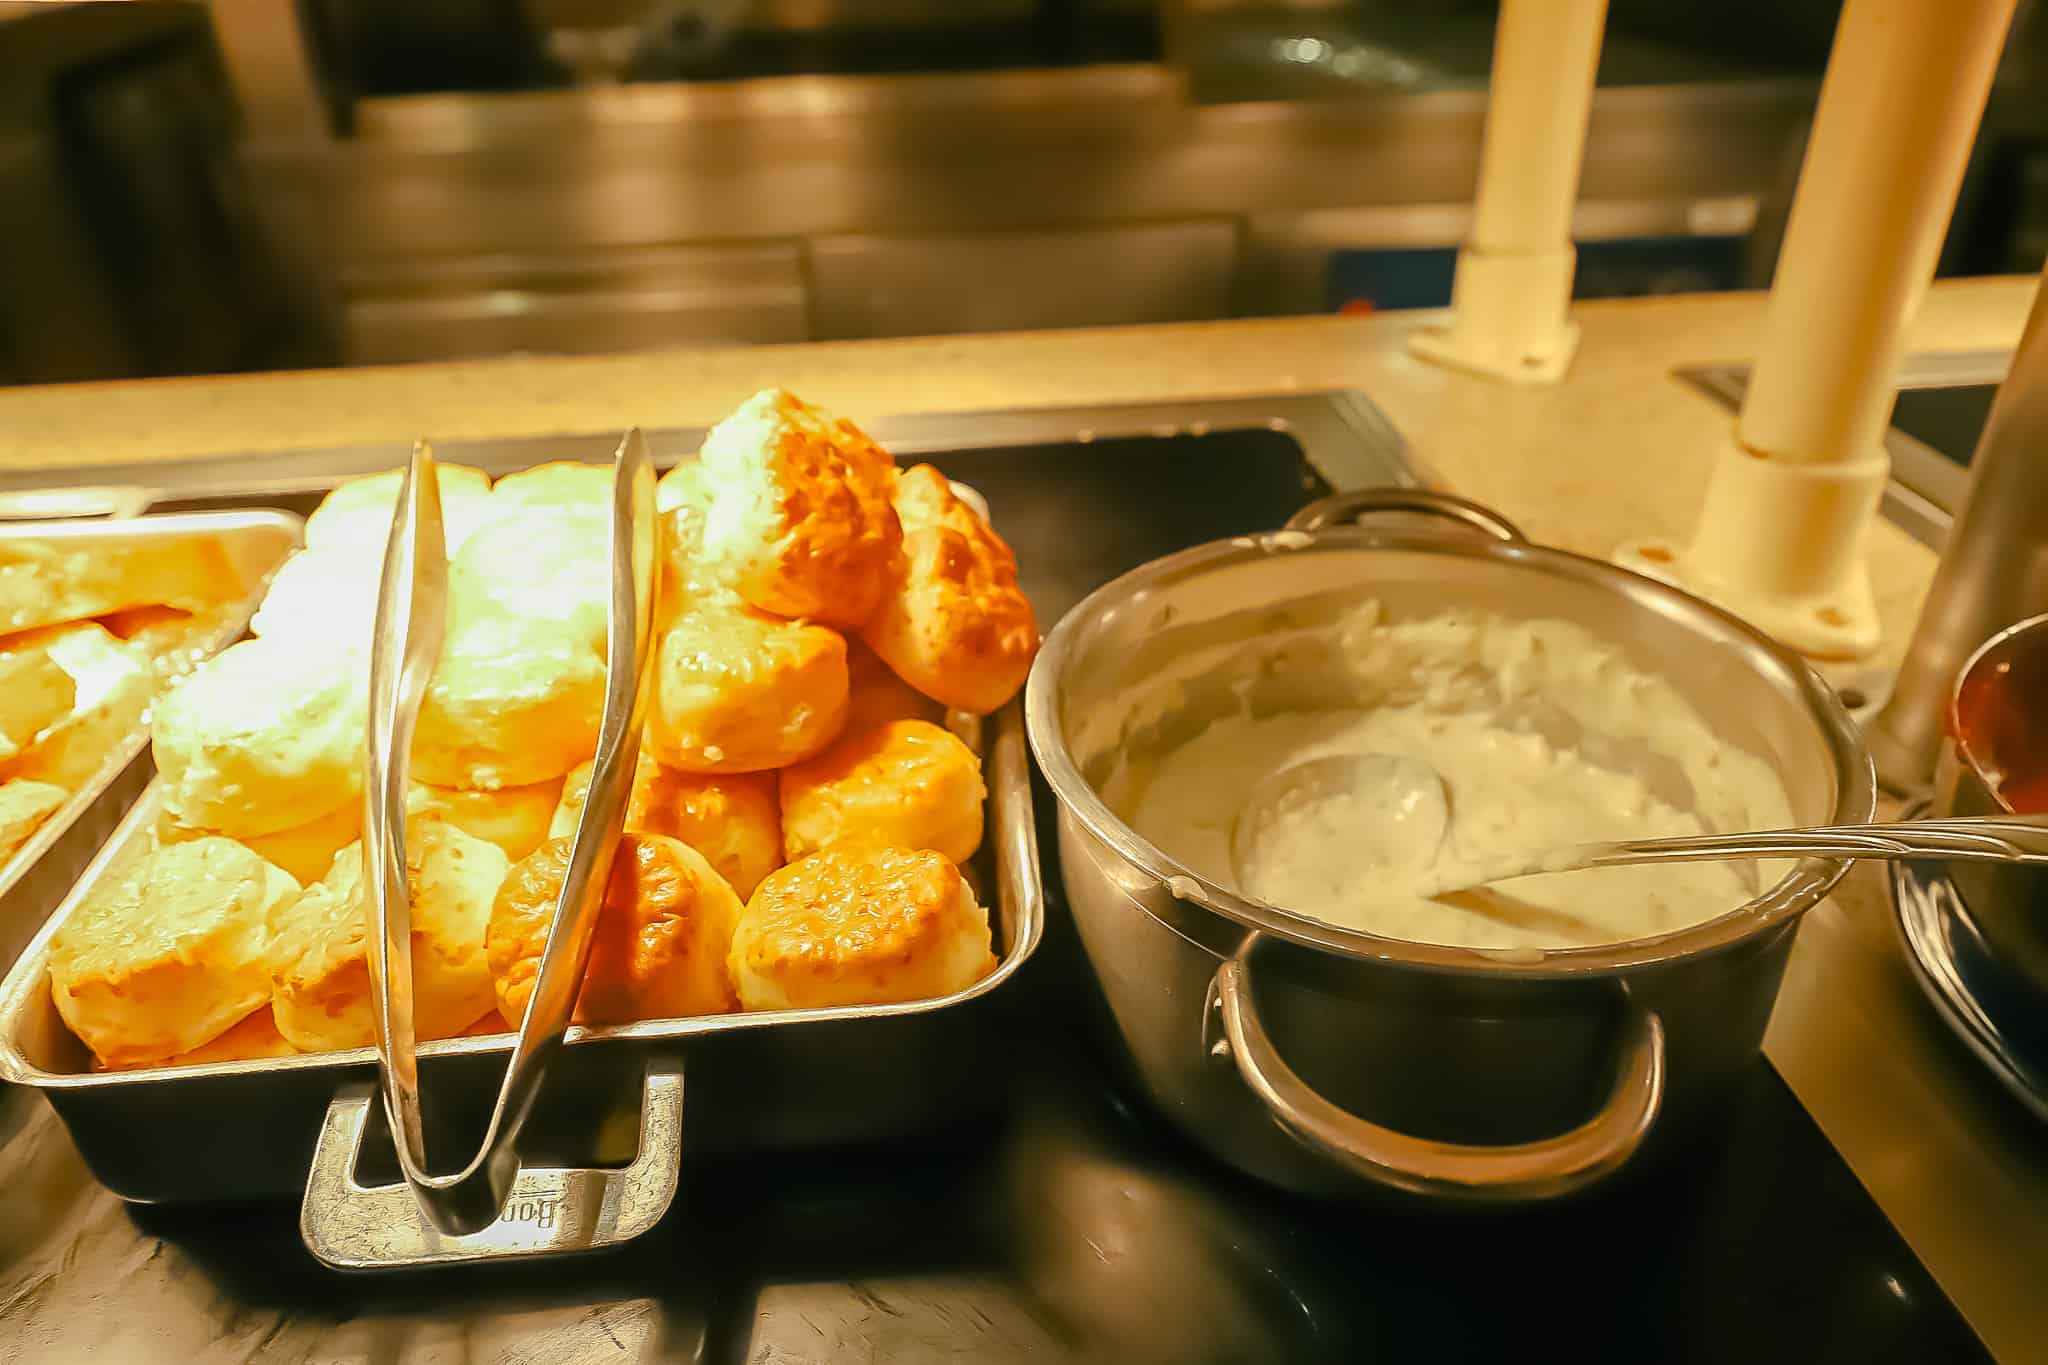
1405	811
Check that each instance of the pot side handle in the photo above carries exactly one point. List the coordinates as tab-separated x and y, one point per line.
550	1210
1342	509
1546	1169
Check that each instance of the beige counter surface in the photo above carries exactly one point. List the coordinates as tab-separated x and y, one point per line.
1620	449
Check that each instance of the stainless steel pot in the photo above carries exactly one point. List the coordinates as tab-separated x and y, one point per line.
1995	748
1330	1060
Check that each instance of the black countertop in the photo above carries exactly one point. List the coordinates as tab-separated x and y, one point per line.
1070	1224
1074	1225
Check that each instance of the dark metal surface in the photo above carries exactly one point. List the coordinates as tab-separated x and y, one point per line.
129	226
1948	420
1997	1013
814	206
1074	1229
1072	1225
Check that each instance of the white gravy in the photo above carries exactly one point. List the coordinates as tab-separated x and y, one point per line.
1544	736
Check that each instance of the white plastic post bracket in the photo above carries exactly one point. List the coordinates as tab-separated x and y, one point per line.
1781	545
1796	483
1510	317
1511	300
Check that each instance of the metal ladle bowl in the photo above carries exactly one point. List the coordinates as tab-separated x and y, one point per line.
1397	806
1402	812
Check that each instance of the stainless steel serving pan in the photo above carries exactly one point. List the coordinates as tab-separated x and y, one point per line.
1334	1060
34	880
235	1130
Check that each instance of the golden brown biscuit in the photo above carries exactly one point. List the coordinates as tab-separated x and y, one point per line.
44	583
684	499
324	597
902	784
489	1024
736	690
35	691
548	565
359	511
306	851
513	818
175	640
658	951
264	736
859	926
799	519
318	969
953	623
575	796
114	684
557	486
255	1038
24	806
684	487
167	956
157	627
730	818
512	702
875	695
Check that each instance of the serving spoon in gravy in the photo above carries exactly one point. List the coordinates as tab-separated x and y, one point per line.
1399	807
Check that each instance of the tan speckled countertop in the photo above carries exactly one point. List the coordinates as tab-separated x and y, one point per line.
1620	449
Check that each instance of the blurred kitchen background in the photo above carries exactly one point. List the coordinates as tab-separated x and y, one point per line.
251	184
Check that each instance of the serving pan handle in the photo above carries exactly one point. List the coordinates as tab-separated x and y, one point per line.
1341	509
548	1210
1515	1173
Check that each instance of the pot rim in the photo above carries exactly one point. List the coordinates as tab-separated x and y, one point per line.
1797	892
1953	713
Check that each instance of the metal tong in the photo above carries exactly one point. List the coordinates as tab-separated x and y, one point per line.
411	618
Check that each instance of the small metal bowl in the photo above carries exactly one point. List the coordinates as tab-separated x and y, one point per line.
1994	761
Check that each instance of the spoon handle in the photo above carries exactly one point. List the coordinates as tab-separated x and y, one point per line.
2003	839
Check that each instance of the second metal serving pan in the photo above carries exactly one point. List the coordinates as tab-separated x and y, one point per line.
254	544
252	1129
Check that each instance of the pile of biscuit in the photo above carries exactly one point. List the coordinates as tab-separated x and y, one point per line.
88	635
798	815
